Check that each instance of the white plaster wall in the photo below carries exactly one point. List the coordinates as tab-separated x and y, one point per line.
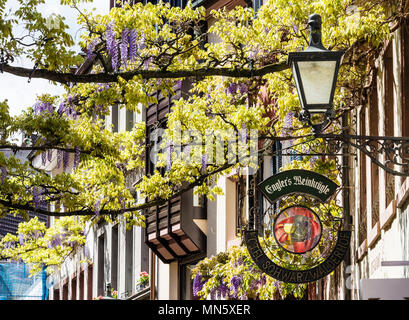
167	282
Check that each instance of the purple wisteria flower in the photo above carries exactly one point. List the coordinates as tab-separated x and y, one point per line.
204	163
147	62
235	282
232	89
97	207
103	87
132	39
59	158
115	56
277	287
37	107
44	107
124	46
141	44
56	241
238	262
179	84
91	47
68	111
21	239
40	107
61	108
197	284
243	88
65	159
254	284
43	158
77	157
263	280
224	289
244	134
86	251
208	112
213	294
254	53
288	120
74	114
3	174
110	37
36	197
112	45
10	244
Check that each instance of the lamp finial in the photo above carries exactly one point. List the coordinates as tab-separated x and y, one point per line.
315	22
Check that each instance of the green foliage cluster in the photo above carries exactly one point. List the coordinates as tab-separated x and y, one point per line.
168	46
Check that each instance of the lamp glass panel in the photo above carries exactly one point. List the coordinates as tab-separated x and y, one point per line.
317	78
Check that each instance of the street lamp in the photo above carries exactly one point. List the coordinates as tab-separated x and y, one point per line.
315	72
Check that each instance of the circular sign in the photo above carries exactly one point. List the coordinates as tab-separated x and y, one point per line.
297	229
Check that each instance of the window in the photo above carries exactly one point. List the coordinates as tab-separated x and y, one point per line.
362	184
129	120
257	4
114	258
74	288
129	283
65	291
100	266
56	294
81	286
119	3
114	117
89	282
373	115
405	77
388	105
144	252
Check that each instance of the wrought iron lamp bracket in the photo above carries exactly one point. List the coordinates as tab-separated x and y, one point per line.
317	128
389	153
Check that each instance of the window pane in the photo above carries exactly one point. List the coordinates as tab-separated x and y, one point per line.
317	78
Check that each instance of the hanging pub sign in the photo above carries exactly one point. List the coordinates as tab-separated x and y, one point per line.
297	230
297	181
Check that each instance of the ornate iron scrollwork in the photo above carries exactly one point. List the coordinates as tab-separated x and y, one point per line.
389	153
394	150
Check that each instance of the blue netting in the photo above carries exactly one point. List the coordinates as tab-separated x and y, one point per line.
16	283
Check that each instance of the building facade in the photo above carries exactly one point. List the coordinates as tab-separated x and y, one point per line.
187	229
380	251
9	224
